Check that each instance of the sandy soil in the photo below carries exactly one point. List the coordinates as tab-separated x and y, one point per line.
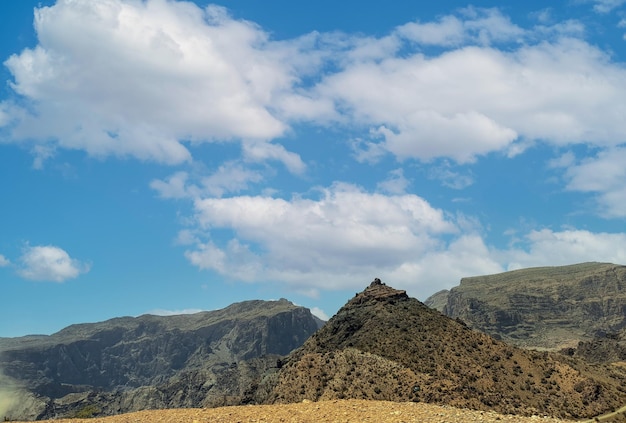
324	411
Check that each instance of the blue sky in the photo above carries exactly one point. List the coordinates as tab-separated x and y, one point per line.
167	157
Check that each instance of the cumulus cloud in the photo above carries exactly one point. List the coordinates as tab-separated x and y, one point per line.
173	187
152	79
345	236
262	151
482	26
316	241
396	183
319	313
473	100
552	248
4	261
49	263
606	6
229	177
143	76
603	175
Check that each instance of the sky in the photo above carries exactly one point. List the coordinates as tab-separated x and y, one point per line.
164	156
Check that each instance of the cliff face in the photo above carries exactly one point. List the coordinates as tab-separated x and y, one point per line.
127	364
384	345
546	308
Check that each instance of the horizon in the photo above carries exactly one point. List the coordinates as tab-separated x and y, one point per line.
177	156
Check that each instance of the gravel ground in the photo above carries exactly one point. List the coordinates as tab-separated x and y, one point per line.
318	412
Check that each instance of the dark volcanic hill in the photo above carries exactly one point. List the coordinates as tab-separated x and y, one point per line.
128	364
384	345
544	307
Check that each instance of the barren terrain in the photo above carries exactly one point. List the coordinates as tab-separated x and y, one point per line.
319	412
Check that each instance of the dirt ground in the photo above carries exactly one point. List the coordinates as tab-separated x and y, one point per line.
318	412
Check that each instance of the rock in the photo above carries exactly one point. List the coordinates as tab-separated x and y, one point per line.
128	364
384	345
543	308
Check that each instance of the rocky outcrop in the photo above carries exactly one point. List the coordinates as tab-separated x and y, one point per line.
604	348
384	345
544	308
128	364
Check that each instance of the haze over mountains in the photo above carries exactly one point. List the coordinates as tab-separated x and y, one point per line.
381	345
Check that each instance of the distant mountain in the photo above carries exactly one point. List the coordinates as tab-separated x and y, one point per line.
385	345
543	307
127	364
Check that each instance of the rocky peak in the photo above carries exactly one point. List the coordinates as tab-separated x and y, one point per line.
384	345
378	291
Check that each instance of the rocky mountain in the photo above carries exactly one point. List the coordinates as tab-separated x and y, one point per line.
127	364
605	348
384	345
543	308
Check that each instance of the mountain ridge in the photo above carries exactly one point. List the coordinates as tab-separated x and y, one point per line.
545	307
115	361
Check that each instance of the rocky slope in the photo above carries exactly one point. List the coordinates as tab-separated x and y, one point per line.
128	364
384	345
604	348
543	308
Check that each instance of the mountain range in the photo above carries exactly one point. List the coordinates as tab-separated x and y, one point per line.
128	364
544	341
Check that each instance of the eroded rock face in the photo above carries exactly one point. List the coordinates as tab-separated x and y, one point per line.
128	364
546	308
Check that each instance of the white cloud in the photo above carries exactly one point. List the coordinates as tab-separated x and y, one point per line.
347	236
143	76
549	248
230	177
319	313
396	183
606	6
482	26
474	100
4	261
173	187
449	177
564	161
605	175
493	86
49	263
448	31
317	242
262	151
443	268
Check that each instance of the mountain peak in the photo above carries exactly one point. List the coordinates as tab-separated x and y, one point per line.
377	291
385	345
